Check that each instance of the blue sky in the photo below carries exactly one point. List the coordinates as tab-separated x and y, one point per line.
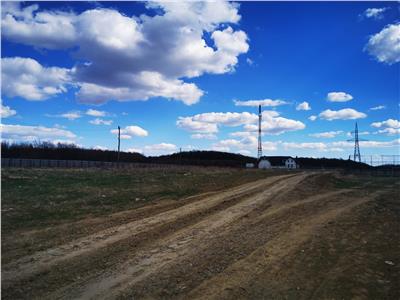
191	75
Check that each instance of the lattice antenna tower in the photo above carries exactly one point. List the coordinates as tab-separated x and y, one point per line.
259	150
356	139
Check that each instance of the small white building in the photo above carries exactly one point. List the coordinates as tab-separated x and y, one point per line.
277	162
249	165
264	164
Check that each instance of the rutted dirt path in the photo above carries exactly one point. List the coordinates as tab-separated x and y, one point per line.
211	246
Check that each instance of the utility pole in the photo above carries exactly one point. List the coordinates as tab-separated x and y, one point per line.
119	141
259	150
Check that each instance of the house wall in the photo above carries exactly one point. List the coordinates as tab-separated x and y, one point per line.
290	164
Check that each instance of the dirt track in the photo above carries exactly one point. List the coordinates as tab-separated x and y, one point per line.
244	242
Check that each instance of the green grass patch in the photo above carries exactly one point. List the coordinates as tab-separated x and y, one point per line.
36	198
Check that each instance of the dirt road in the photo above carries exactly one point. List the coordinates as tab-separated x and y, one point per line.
290	236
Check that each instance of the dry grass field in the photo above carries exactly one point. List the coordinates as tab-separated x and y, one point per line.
199	233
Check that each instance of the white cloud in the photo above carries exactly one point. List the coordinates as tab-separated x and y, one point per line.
312	118
249	61
26	78
244	152
72	115
96	113
227	118
369	144
209	122
328	134
100	148
303	106
99	121
247	143
349	134
205	136
379	107
339	97
262	102
391	123
276	125
390	131
389	127
342	114
125	137
129	131
375	13
138	57
309	146
162	148
188	124
32	133
134	150
385	45
6	111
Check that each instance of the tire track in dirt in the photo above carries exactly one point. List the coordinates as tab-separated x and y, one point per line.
235	280
215	252
150	259
201	208
179	244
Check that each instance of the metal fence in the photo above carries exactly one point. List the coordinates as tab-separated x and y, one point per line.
381	160
77	164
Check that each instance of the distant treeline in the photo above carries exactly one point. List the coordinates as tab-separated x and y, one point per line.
45	150
329	163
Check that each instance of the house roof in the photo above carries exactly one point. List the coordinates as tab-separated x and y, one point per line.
277	160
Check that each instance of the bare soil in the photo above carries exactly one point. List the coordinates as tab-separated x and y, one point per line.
294	236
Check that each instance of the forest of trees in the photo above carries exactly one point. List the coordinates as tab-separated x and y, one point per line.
45	150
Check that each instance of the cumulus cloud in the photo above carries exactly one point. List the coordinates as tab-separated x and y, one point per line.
161	148
72	115
389	127
32	133
205	136
130	131
139	57
100	148
339	97
389	131
303	106
188	124
369	144
391	123
263	102
247	143
327	134
312	118
374	13
134	150
275	125
210	122
26	78
96	113
342	114
379	107
99	121
6	111
310	146
385	45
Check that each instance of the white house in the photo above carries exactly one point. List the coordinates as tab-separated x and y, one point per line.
278	162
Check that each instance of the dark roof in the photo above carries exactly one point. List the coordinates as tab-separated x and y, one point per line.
277	160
